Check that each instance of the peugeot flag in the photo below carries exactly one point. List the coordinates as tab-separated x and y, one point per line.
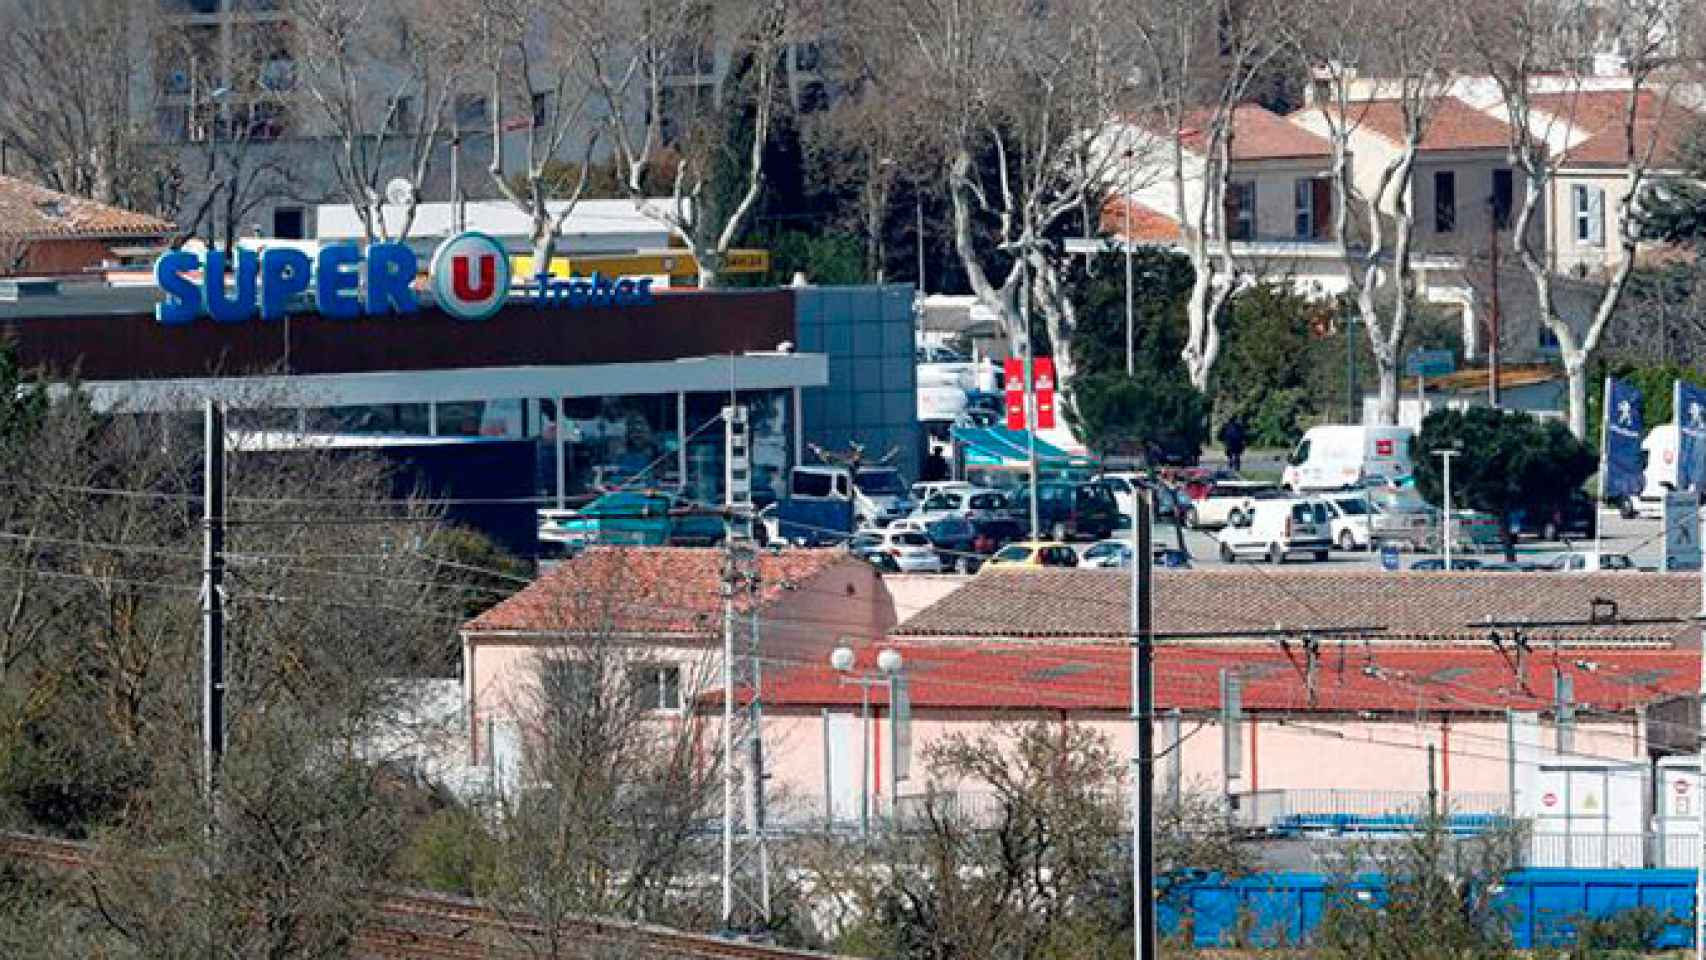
1690	407
1621	472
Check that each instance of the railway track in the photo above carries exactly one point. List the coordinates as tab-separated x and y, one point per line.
411	925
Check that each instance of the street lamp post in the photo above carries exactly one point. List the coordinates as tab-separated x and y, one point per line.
889	666
1445	519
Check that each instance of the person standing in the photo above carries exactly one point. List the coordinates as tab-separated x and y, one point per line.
1232	438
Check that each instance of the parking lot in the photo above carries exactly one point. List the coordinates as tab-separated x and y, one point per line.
1640	538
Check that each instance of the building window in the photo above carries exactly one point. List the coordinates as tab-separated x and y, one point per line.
402	116
1548	340
540	103
1445	201
1241	210
1314	204
566	683
287	224
656	686
1502	194
470	110
1588	203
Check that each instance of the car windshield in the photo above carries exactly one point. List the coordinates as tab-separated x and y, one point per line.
867	540
1013	554
1352	506
1095	493
880	482
911	540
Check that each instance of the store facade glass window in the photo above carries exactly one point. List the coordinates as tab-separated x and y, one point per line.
482	418
389	419
609	442
770	416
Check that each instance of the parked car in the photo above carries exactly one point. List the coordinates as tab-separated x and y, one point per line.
1589	561
969	503
1276	529
952	537
1071	510
926	489
1457	563
1118	554
1195	482
1125	487
1578	518
1227	502
1034	554
634	518
1400	516
1352	519
910	551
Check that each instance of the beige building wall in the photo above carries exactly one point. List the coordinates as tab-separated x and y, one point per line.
1294	754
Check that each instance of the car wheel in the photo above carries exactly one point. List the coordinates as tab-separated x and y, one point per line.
1235	518
1193	520
1347	542
1058	532
1276	555
1226	554
1626	507
1320	556
963	565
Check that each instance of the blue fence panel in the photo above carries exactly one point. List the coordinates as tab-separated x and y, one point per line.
1542	905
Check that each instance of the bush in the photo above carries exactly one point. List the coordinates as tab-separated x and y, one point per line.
452	852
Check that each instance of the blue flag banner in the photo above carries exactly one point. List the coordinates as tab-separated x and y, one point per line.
1690	409
1621	470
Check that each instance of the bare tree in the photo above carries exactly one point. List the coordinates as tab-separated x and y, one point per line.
619	774
1010	102
383	74
68	90
1195	63
1016	851
1413	47
1534	49
664	124
237	104
330	630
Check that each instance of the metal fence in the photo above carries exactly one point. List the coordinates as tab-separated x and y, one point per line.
1299	811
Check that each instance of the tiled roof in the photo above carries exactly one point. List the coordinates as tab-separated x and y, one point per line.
1595	120
30	211
1454	125
1258	134
1140	223
1053	604
643	590
1348	678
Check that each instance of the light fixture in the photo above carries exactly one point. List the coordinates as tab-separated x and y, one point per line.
841	658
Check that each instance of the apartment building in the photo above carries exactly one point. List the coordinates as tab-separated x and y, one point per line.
227	74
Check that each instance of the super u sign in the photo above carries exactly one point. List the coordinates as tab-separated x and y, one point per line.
470	276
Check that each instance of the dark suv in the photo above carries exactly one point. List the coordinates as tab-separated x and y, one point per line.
1068	510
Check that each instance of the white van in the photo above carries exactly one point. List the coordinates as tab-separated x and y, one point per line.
1337	456
1276	529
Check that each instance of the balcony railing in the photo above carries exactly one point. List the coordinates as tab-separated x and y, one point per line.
1285	812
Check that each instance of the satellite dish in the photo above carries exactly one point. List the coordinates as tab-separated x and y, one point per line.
399	192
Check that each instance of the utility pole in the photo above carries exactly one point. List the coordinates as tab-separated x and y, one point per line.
740	572
1433	791
1564	698
918	213
1143	714
1125	201
1030	388
213	602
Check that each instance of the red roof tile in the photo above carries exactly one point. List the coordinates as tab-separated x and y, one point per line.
1053	604
1454	125
31	212
1661	125
1258	134
1349	678
643	590
1139	223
